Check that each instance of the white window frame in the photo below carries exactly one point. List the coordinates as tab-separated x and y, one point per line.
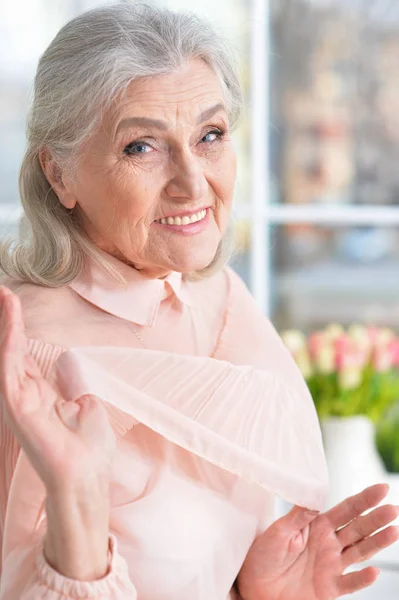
263	214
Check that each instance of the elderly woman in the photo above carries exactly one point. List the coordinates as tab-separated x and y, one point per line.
151	413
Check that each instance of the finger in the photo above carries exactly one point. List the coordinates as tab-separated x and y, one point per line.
352	582
3	292
77	413
35	400
68	413
297	519
12	312
354	506
370	546
32	368
365	526
13	347
93	415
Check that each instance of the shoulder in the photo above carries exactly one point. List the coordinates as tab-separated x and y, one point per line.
233	294
223	289
211	290
219	295
231	312
250	338
247	331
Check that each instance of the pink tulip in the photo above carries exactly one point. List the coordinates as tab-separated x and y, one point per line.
347	353
351	353
352	357
360	335
342	349
383	358
378	335
321	349
394	345
315	342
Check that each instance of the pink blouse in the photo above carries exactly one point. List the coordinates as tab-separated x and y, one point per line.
212	418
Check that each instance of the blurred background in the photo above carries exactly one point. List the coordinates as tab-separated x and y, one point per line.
317	199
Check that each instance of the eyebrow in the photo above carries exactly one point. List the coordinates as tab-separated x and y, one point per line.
162	125
209	112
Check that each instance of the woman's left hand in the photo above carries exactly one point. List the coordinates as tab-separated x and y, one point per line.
303	555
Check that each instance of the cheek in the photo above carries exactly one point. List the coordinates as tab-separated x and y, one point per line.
131	196
117	203
224	179
119	212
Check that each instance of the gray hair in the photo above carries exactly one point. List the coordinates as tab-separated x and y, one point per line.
92	60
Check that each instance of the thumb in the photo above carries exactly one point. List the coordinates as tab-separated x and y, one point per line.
78	413
93	420
299	517
91	411
67	411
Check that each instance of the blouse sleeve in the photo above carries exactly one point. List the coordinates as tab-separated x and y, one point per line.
25	574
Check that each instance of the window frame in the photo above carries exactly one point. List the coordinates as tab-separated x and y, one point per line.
262	213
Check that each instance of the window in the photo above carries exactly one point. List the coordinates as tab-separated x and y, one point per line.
325	186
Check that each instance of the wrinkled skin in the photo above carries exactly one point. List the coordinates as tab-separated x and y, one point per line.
303	555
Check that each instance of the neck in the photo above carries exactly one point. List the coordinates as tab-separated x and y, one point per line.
149	271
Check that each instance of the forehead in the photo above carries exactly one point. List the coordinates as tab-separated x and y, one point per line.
183	94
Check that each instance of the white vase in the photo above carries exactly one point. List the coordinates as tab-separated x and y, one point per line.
352	457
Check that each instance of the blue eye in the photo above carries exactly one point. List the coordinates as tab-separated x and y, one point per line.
137	148
214	132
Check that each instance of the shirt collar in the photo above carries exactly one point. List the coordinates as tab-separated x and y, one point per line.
138	300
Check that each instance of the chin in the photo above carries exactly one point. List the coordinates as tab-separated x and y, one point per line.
188	264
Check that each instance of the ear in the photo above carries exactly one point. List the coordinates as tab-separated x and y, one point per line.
54	176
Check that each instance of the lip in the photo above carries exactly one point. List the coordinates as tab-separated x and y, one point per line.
184	214
191	228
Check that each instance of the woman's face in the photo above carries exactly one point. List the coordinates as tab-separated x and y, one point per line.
163	151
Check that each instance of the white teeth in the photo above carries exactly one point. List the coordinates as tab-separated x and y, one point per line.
186	220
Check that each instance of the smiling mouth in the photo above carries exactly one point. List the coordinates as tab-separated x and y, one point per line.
183	220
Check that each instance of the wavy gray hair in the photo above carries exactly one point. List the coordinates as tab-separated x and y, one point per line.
92	60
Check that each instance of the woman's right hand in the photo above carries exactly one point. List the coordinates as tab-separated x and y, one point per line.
70	444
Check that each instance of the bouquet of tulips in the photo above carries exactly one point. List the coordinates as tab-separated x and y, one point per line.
349	372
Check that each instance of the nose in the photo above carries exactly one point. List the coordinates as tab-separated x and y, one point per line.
188	181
